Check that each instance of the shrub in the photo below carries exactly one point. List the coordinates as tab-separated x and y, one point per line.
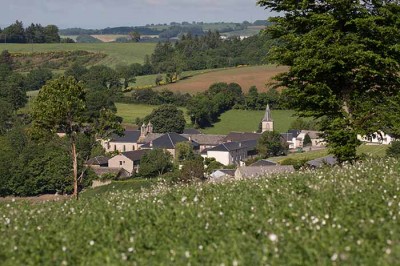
394	149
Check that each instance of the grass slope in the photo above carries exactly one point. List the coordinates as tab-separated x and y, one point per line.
125	53
129	112
339	216
244	76
370	150
248	121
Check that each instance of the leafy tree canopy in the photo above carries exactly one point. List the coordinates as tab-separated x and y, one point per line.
166	118
271	143
344	63
155	163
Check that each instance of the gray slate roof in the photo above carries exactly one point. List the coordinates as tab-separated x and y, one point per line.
130	136
313	134
135	155
98	160
327	160
242	136
168	141
259	171
264	163
206	139
235	145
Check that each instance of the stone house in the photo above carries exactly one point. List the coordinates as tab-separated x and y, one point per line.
129	161
377	138
233	152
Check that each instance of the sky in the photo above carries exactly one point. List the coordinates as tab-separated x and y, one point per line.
97	14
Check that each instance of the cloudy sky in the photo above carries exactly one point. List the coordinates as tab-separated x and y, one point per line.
102	13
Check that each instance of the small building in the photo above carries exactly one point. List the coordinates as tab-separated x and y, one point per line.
127	142
206	141
264	162
316	137
129	161
116	172
377	138
242	136
245	172
221	173
233	152
320	162
98	161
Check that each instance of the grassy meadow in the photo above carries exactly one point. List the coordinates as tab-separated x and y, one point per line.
370	150
248	121
129	112
338	216
124	53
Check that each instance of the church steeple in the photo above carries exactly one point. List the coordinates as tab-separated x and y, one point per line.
267	115
267	123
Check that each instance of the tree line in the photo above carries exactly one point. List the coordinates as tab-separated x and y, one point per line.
34	160
193	52
34	33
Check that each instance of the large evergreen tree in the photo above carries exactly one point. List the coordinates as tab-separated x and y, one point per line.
344	63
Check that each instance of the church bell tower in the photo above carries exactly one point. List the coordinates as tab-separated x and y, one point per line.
267	122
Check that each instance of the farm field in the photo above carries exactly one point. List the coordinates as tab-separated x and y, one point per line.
149	80
244	76
338	216
248	121
129	112
124	53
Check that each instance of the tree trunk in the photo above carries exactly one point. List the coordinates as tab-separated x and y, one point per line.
75	166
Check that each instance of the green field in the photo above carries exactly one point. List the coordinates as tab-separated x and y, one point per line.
129	112
338	216
370	150
248	121
124	53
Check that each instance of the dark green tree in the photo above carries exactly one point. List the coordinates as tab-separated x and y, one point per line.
76	70
270	144
36	78
167	118
394	149
192	170
343	63
307	141
155	163
61	106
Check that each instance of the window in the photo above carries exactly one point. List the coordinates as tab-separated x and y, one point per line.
115	147
124	149
120	162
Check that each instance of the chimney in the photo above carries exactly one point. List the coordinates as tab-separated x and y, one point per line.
190	139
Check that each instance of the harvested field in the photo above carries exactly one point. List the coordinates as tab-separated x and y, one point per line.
244	76
108	37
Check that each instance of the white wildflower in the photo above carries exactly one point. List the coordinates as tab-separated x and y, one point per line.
273	237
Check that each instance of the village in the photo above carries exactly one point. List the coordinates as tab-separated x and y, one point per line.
231	150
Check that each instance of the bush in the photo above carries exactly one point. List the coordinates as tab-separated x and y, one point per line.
297	164
394	149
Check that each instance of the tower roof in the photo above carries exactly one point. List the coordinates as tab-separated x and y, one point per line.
267	115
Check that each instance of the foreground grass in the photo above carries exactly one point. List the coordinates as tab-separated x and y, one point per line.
124	53
338	216
248	121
